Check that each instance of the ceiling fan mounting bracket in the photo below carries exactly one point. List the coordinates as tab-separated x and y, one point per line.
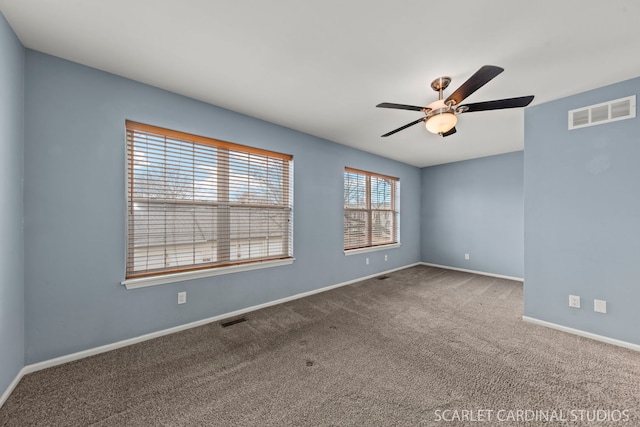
440	83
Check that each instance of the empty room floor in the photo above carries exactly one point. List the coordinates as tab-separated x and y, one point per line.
420	346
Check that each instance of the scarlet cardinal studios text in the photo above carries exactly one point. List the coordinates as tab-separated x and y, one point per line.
529	415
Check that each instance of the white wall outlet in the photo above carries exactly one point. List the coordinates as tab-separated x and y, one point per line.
599	306
386	257
466	256
182	297
574	301
366	260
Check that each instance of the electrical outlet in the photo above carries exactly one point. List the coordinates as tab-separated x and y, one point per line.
182	297
366	260
574	301
466	256
386	257
599	306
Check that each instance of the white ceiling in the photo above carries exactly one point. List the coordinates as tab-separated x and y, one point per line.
320	67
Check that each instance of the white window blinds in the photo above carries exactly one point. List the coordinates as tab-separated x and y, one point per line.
196	203
371	209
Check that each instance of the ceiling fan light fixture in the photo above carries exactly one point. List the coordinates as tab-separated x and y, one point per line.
441	122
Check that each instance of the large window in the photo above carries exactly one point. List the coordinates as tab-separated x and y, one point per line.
197	203
371	209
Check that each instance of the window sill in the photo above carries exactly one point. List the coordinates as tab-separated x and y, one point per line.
371	249
141	282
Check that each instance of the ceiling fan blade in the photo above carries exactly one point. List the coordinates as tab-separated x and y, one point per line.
498	104
450	132
475	82
404	127
400	106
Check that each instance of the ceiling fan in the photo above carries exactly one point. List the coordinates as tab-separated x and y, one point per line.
441	116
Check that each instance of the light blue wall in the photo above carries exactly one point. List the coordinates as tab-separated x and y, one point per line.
475	207
582	216
75	211
11	236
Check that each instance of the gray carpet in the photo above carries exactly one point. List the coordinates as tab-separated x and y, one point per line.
417	348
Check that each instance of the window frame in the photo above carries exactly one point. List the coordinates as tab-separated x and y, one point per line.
369	246
134	279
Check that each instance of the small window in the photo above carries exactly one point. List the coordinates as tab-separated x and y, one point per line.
198	203
371	209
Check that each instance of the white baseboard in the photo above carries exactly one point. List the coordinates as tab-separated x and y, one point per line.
584	334
482	273
124	343
13	385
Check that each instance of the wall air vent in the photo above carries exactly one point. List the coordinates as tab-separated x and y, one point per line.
611	111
